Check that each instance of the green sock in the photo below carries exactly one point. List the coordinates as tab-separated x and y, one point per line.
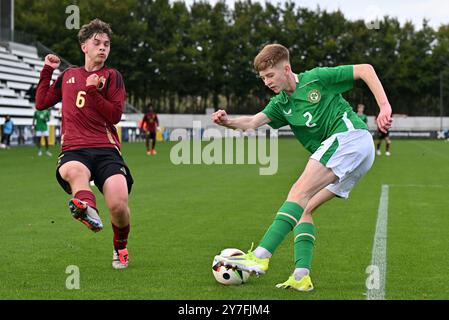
303	245
284	222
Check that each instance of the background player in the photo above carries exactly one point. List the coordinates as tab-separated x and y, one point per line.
342	149
149	125
361	113
8	129
383	136
93	98
40	119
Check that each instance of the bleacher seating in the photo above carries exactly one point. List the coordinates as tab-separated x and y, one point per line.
7	93
12	64
17	85
8	56
24	54
20	67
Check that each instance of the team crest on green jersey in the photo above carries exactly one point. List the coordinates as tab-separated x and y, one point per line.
314	96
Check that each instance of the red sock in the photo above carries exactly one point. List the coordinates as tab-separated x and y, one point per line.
120	236
87	196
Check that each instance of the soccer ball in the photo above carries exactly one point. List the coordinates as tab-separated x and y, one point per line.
225	274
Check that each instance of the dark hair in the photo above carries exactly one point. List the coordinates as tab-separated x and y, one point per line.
93	27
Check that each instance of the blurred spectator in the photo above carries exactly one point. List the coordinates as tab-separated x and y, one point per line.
8	128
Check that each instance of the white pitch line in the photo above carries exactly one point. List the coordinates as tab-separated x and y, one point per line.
379	254
419	186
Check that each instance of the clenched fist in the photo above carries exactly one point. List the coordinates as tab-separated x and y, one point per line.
220	117
92	80
384	119
95	80
52	60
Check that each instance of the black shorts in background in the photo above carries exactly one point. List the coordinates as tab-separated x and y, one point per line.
382	135
151	135
101	162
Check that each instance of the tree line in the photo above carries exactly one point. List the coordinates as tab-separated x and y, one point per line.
185	59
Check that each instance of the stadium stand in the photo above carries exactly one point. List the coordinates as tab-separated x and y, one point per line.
19	70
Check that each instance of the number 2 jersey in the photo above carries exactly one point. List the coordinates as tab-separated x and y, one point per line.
316	109
88	113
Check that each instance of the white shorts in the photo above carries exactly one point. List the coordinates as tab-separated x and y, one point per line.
42	133
349	155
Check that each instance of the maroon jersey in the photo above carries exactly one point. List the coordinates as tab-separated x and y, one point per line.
88	113
150	121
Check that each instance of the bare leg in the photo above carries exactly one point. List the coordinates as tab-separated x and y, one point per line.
147	142
77	175
314	178
115	192
317	200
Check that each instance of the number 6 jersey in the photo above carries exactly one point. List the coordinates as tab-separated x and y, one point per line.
88	113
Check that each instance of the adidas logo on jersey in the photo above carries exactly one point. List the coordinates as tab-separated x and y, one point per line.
71	80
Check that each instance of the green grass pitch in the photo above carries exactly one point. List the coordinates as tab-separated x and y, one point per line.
183	215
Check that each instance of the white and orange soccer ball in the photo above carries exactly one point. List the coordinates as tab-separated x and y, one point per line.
227	275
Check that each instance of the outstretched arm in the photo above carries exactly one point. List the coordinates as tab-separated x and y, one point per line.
221	118
367	73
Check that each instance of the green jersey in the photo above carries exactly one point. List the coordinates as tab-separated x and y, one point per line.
41	117
363	117
316	110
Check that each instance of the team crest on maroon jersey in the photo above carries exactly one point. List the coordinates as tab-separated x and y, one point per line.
101	83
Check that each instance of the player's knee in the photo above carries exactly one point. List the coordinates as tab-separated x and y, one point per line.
119	206
307	214
301	197
72	174
308	210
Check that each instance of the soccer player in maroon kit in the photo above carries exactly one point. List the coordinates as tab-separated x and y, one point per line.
150	122
93	98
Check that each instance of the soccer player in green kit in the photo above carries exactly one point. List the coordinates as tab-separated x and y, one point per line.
323	121
361	113
40	119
